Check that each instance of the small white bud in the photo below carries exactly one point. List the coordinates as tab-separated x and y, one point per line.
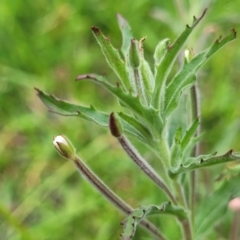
188	54
64	146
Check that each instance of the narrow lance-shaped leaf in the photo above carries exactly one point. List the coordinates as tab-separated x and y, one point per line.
69	109
131	222
205	161
213	207
113	58
91	114
176	150
185	78
187	152
190	133
187	83
126	34
180	143
167	62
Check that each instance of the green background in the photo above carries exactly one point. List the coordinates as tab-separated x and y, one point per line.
46	44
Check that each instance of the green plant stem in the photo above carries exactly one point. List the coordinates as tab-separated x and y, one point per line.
111	196
187	230
186	223
164	152
193	178
145	167
181	197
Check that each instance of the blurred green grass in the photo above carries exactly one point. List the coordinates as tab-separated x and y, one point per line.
46	44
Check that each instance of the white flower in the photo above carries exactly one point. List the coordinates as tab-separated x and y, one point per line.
64	146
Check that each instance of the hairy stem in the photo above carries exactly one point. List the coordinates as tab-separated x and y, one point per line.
164	152
145	167
111	196
185	224
181	197
187	231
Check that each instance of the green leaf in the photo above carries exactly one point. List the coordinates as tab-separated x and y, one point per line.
167	62
65	108
126	34
131	222
89	113
186	77
172	96
176	150
113	58
190	133
205	161
213	207
147	115
182	145
187	152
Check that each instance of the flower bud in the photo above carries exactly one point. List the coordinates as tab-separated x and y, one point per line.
134	55
115	126
64	146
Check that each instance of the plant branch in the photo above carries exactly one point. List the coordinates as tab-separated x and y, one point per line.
111	196
145	167
185	223
187	231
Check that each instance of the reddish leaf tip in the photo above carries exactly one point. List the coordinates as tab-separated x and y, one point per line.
80	77
228	153
234	32
119	17
38	91
95	29
197	20
83	76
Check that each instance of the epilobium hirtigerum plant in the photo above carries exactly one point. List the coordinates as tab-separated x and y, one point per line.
151	96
